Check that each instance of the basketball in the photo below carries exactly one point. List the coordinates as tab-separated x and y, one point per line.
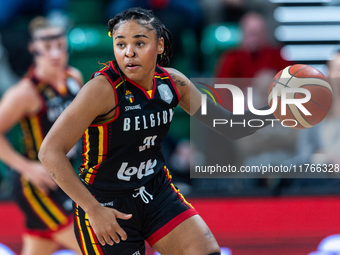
306	77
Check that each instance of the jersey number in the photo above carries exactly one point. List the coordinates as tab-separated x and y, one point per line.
148	142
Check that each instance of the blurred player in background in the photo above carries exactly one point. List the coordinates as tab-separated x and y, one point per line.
35	102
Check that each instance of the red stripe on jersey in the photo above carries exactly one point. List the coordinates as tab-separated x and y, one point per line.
96	244
84	150
154	88
93	174
104	142
161	74
137	85
143	89
81	235
166	229
85	153
168	175
181	197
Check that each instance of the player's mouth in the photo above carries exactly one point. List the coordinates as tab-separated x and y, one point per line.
56	63
132	66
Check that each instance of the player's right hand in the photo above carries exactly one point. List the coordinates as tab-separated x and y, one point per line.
39	177
105	226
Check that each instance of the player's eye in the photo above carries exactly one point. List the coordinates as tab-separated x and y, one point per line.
47	46
120	45
139	44
61	46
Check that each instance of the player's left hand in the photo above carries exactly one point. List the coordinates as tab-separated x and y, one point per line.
104	224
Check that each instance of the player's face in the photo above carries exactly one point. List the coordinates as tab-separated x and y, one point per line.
254	33
49	48
136	48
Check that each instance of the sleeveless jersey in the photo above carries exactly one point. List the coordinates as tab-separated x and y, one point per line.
123	153
35	126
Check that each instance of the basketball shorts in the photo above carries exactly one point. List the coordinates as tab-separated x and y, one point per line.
156	208
44	214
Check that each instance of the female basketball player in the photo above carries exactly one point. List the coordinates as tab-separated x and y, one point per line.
36	101
123	113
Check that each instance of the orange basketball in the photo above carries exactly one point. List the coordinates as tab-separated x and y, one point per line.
306	77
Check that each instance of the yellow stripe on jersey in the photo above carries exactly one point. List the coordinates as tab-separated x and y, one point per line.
88	175
92	238
181	196
100	144
28	140
41	86
87	142
168	173
106	65
149	92
119	84
100	154
54	210
36	206
163	78
174	188
82	239
37	132
103	121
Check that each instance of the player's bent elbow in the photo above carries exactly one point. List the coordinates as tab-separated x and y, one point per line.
42	153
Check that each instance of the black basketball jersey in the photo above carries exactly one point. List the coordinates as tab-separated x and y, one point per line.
35	126
123	153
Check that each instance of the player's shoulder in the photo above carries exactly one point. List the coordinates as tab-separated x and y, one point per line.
180	81
175	74
99	85
100	92
25	86
74	72
23	92
170	69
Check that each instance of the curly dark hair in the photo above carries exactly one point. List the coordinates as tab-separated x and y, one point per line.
147	19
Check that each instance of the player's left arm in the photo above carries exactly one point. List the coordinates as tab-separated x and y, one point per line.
190	101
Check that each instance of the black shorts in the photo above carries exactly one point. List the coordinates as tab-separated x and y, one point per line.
44	214
156	209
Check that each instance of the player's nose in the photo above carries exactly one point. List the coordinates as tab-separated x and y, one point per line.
130	53
56	53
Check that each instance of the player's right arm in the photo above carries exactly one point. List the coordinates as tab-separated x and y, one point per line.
94	99
18	101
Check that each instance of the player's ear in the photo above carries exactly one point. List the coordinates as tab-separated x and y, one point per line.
160	46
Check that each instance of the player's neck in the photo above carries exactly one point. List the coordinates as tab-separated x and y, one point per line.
147	83
148	86
53	77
